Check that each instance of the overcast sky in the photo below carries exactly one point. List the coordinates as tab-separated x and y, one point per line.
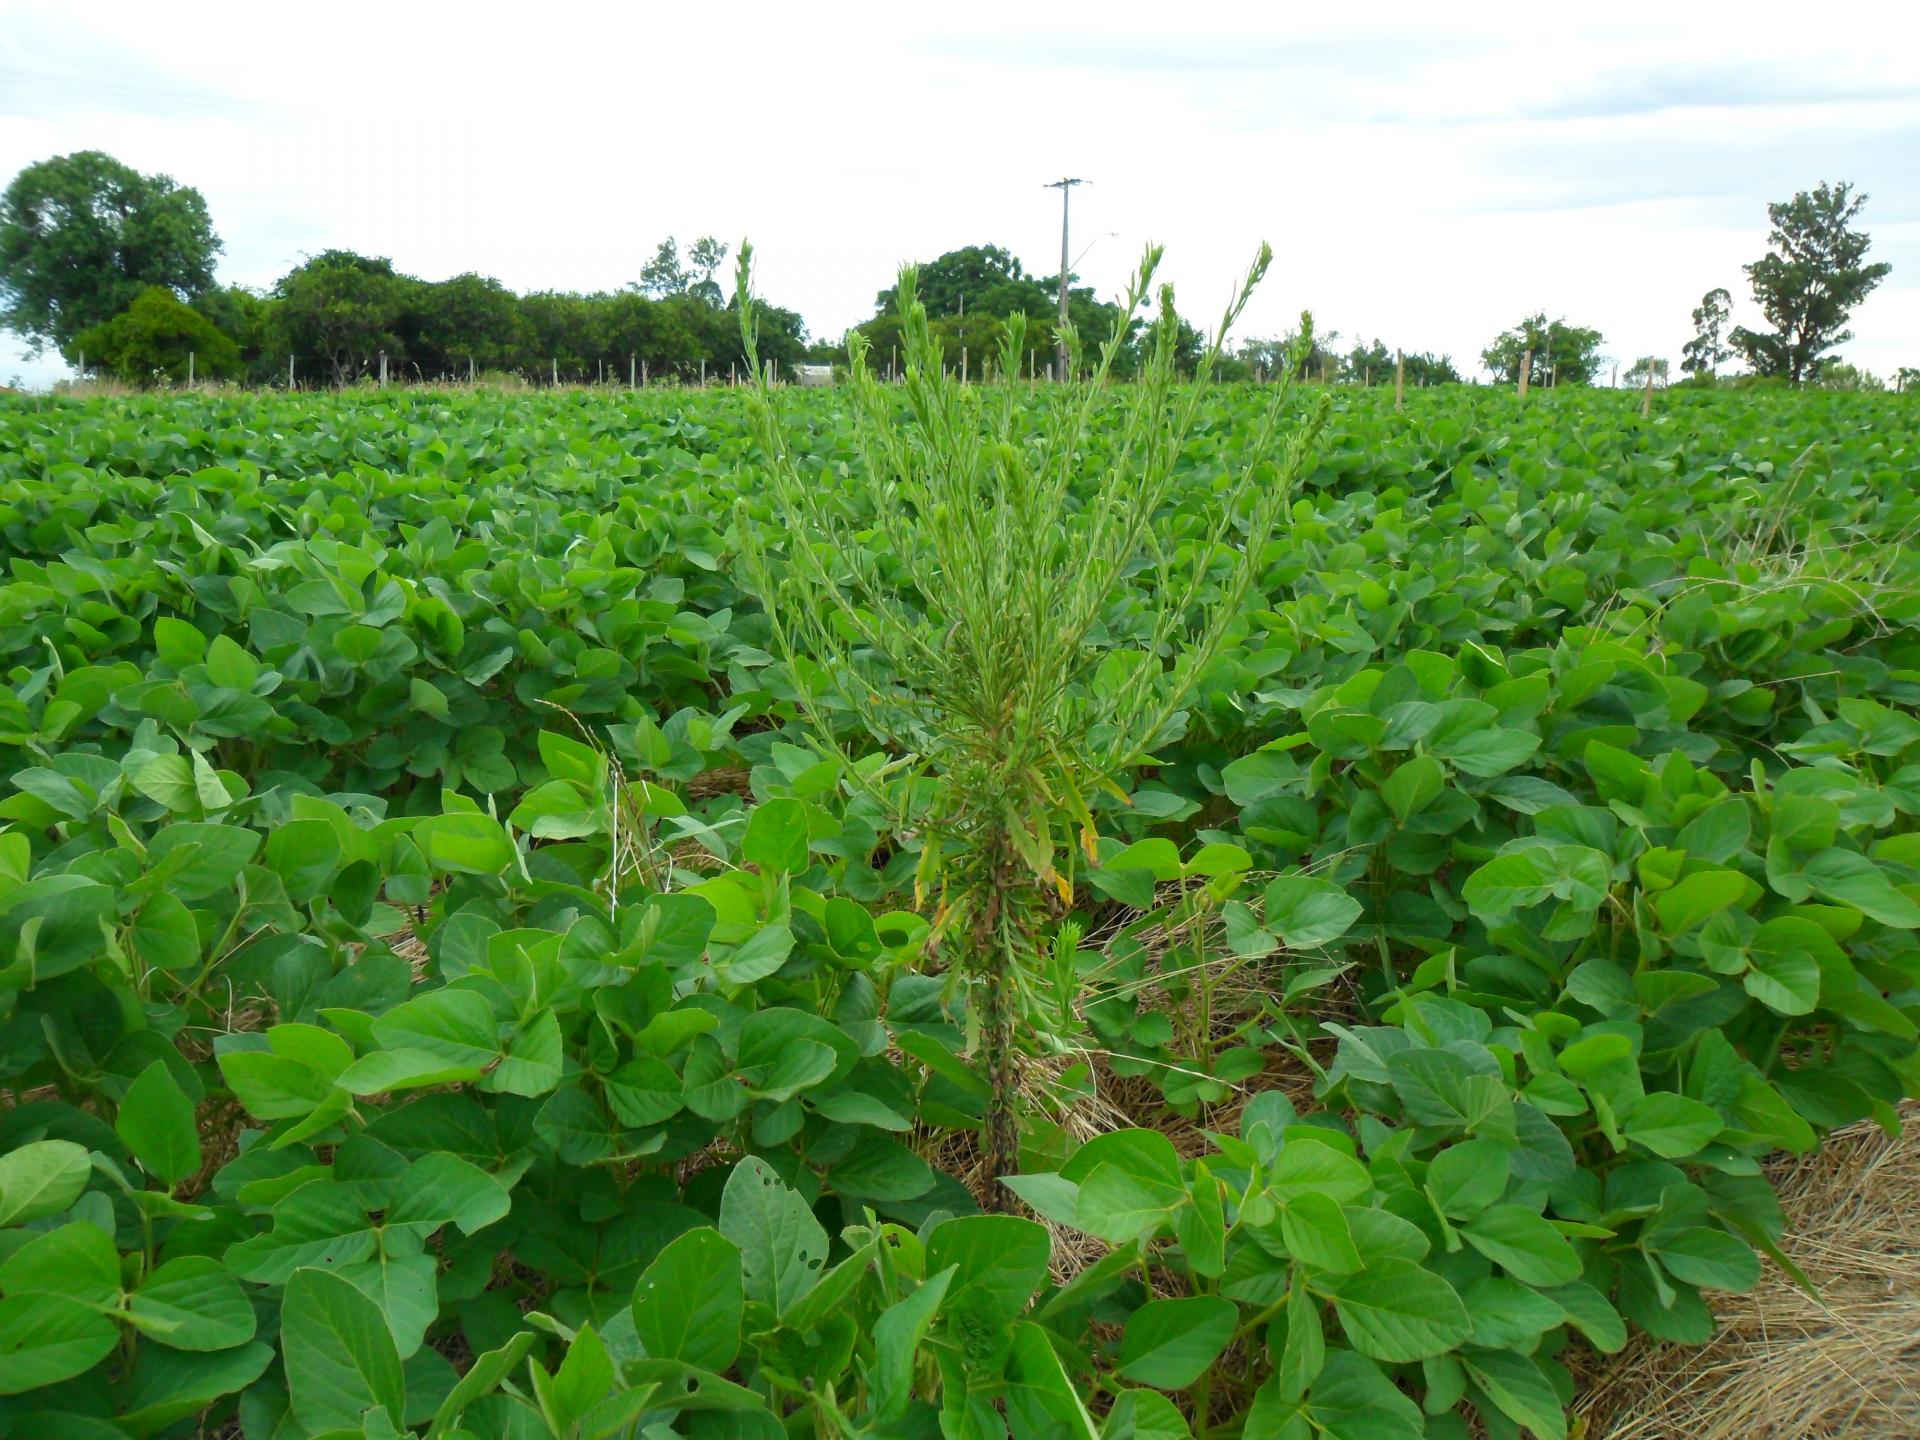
1426	174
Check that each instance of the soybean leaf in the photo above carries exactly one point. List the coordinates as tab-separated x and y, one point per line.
193	1302
340	1357
1170	1343
156	1122
782	1247
41	1178
688	1304
1398	1311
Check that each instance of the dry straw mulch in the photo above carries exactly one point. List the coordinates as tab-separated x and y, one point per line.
1786	1365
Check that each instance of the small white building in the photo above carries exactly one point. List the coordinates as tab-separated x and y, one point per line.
813	374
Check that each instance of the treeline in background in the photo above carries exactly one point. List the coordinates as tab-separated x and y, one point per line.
115	270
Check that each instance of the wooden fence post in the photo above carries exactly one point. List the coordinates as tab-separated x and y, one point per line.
643	374
553	369
963	364
189	367
733	375
1646	399
1526	369
1399	382
703	372
469	369
289	374
383	368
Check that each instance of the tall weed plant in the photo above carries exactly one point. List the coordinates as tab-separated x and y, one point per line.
956	592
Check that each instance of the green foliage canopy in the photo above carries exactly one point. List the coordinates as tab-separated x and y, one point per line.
1809	282
1563	354
157	337
82	235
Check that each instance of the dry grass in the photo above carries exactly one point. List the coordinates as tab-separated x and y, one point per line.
1785	1365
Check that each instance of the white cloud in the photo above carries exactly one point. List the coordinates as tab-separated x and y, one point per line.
1426	185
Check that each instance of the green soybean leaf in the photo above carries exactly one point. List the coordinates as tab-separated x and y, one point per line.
1306	911
78	1260
1783	967
41	1178
1466	1178
340	1357
1305	1349
1144	1415
998	1262
1042	1403
1316	1231
776	837
156	1122
688	1304
1413	786
1524	1244
896	1341
1847	878
1169	1344
456	1025
193	1303
782	1248
171	1385
1709	1258
1516	1385
45	1339
1672	1126
1400	1312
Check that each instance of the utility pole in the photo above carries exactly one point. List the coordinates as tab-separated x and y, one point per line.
1065	187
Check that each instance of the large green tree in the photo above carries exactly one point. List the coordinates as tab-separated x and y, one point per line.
446	324
157	338
969	293
977	280
1809	282
81	236
1563	354
341	309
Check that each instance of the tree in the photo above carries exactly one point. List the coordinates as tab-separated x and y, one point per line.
447	323
342	308
1563	354
1636	375
1809	283
81	236
664	274
1427	368
569	333
1706	352
158	338
978	280
1367	364
969	293
248	319
704	259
